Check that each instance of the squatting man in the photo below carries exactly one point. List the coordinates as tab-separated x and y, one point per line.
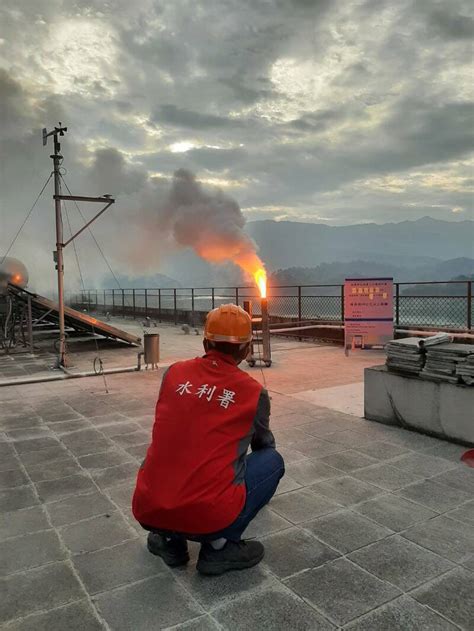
197	481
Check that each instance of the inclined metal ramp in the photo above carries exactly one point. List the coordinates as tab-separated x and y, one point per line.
45	312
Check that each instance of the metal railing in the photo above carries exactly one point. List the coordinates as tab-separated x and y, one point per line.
436	304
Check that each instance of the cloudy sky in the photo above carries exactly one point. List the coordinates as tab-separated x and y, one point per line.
332	111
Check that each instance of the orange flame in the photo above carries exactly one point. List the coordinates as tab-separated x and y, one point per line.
261	279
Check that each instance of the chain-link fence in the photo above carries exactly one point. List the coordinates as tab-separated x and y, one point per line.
441	305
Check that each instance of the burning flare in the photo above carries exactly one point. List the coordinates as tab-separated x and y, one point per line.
261	279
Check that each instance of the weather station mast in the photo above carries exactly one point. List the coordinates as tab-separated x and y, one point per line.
58	257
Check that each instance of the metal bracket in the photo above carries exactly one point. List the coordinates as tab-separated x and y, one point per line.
107	199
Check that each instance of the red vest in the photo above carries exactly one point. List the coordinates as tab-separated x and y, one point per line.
203	426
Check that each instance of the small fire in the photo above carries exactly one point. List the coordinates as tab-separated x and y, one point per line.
261	279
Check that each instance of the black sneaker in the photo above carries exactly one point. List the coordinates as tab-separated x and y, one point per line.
174	552
233	556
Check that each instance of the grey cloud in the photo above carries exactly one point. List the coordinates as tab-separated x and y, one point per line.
452	26
173	115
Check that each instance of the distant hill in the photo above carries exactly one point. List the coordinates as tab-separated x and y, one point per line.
138	282
427	241
329	273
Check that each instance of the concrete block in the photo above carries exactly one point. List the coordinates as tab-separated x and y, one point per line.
346	531
274	608
28	592
294	550
400	562
155	603
341	590
440	409
30	551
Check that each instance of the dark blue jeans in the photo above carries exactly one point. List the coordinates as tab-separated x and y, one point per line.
264	470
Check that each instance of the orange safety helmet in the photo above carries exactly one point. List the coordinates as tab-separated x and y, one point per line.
228	323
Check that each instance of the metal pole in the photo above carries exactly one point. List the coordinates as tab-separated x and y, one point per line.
159	305
469	304
236	295
213	299
175	307
192	306
133	304
105	306
299	304
58	254
30	325
123	303
113	301
342	304
146	303
397	304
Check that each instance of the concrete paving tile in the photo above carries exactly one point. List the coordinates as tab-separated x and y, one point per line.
449	451
96	533
346	531
322	428
92	447
66	427
115	429
28	592
386	477
341	590
154	603
436	496
137	451
78	507
265	523
290	437
81	437
30	551
318	448
28	433
349	460
302	505
310	471
294	550
403	613
287	484
121	494
127	562
51	490
203	623
19	497
452	596
54	470
291	455
415	440
112	476
8	461
383	450
211	593
140	437
447	537
394	512
79	616
6	449
18	422
423	465
400	562
272	609
346	490
45	456
105	459
352	439
22	522
12	478
107	419
461	478
464	513
35	444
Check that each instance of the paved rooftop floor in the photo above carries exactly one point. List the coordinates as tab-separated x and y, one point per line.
372	527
